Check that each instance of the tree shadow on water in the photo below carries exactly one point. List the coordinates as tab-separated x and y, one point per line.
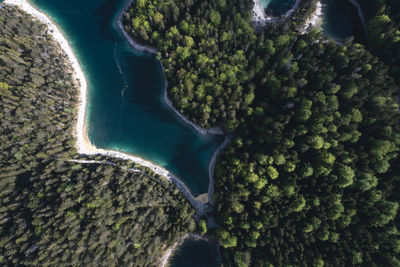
145	87
189	156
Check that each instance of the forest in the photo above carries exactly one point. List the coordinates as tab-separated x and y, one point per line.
59	208
382	24
312	175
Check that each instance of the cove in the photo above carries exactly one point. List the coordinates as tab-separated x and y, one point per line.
125	110
194	253
340	20
276	8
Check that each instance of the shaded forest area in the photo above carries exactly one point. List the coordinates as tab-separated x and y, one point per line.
382	24
55	210
312	176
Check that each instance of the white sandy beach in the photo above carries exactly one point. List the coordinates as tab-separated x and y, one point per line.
314	20
259	16
164	259
82	142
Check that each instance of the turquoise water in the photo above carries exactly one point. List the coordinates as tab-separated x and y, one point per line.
276	7
125	110
341	20
194	253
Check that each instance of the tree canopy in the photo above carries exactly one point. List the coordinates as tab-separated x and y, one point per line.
311	176
59	208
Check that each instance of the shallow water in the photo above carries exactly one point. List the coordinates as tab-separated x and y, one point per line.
340	20
194	253
125	110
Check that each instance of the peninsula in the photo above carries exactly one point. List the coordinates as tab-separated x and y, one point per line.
90	208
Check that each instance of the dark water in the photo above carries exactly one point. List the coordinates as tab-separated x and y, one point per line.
276	8
194	253
341	21
125	111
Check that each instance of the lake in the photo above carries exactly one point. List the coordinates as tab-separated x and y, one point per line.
340	20
125	110
276	8
194	253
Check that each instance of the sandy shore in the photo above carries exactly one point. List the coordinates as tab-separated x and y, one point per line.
314	20
171	250
259	16
82	142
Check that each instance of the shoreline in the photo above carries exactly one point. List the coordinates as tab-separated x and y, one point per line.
167	101
259	16
164	259
215	130
313	19
262	19
211	169
293	9
316	19
145	48
83	145
361	15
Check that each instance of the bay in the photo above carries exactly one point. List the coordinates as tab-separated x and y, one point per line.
194	253
340	21
125	109
276	8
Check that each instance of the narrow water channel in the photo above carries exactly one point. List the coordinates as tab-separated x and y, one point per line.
125	110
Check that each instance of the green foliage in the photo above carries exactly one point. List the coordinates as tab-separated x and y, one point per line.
321	117
333	147
215	17
198	43
4	86
203	226
272	172
54	211
382	25
317	142
299	204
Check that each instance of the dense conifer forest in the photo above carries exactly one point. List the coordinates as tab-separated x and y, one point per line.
382	24
312	175
58	208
